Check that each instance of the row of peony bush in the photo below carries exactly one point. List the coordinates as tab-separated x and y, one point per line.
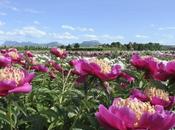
150	108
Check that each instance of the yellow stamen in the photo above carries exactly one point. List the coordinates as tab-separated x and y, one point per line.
12	74
154	92
105	67
13	55
136	106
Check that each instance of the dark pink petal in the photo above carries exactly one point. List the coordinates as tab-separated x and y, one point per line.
129	78
160	119
7	85
102	122
158	101
57	67
125	114
58	52
152	65
26	88
161	75
172	102
92	68
170	67
149	64
5	61
116	69
78	66
41	68
136	93
111	119
28	53
115	72
28	78
137	61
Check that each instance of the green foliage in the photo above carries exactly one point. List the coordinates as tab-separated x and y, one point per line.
62	104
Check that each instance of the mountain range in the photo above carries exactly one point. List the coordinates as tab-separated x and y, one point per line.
51	44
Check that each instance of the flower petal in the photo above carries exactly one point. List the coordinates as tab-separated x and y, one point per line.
26	88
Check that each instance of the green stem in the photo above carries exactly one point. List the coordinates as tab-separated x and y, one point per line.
10	112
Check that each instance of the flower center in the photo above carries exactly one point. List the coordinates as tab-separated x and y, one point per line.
11	74
13	55
154	92
136	106
105	67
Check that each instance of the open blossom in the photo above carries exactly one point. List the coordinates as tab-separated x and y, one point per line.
61	53
132	114
40	68
170	70
129	78
97	68
13	54
5	61
14	80
166	71
54	68
147	63
155	96
55	65
28	53
162	74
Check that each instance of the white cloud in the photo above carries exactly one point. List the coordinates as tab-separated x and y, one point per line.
36	22
67	27
27	31
105	37
91	36
14	8
141	36
32	11
167	28
152	25
8	5
84	29
168	36
2	14
1	32
110	37
2	23
81	29
64	36
31	31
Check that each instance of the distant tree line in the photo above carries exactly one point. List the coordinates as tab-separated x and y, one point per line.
134	46
113	46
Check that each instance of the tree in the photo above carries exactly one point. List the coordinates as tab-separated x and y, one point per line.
62	46
76	45
68	47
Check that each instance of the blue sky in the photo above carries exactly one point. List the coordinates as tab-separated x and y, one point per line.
70	21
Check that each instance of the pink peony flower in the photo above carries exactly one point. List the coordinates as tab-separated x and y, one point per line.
147	63
129	78
162	73
97	68
14	55
59	52
40	68
28	53
132	114
55	65
155	96
5	61
14	80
